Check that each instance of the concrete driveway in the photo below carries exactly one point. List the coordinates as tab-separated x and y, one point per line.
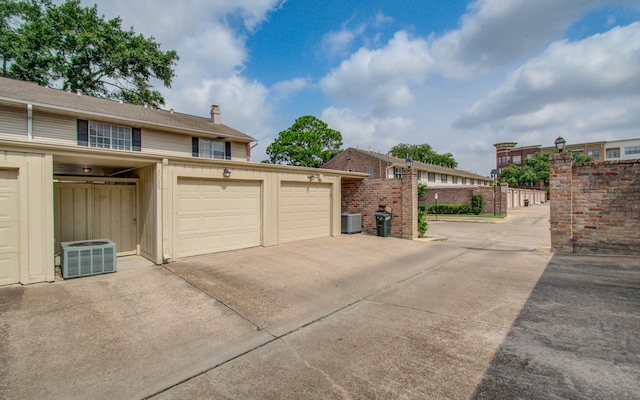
489	313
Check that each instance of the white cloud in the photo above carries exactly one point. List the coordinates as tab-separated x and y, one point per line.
601	67
381	75
499	32
286	88
364	130
337	42
382	19
243	104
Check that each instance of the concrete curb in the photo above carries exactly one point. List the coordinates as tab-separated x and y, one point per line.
479	220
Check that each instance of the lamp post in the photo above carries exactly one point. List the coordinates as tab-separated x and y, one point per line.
409	162
560	143
494	175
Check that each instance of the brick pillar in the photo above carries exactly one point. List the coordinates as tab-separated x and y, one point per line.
502	199
409	217
560	187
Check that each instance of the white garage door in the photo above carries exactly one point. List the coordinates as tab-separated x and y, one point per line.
9	235
305	211
214	215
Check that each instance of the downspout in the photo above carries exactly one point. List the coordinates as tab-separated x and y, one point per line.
30	122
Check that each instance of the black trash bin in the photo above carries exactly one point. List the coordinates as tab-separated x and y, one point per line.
526	202
383	223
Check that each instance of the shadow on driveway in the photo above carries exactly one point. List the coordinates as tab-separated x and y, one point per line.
576	337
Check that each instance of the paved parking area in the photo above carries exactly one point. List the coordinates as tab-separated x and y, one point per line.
489	313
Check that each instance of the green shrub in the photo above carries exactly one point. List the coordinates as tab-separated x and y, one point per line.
422	222
477	204
449	209
422	188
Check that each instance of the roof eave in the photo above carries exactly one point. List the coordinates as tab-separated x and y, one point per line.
74	111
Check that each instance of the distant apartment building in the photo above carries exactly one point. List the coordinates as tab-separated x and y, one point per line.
508	154
383	166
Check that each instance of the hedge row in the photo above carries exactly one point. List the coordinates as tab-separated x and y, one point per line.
449	209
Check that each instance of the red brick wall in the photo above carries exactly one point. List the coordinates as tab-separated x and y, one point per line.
356	161
401	195
463	195
595	207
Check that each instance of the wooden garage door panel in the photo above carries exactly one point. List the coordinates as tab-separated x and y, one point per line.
9	237
305	211
114	218
217	216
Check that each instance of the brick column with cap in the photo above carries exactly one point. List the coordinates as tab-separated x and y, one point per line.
561	197
409	217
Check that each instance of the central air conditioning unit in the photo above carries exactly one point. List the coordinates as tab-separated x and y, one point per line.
88	257
351	223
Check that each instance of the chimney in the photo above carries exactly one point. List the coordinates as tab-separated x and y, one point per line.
215	114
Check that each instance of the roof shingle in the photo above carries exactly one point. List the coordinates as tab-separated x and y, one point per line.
12	90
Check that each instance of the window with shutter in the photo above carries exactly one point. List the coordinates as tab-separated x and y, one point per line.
208	148
108	136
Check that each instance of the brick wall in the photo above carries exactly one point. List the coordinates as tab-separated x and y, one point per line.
401	195
463	196
595	207
355	161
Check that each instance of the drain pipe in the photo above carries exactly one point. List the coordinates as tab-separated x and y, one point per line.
30	122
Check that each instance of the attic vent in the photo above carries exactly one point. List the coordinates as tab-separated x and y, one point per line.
85	258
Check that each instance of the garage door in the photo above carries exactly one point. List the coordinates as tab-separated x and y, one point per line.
215	215
305	211
9	235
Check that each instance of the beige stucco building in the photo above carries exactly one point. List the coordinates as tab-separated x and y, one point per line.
160	184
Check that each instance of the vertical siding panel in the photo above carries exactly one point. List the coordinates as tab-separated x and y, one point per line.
148	225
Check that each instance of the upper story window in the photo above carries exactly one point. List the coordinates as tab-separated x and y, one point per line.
613	153
210	148
473	181
443	178
632	150
431	177
397	173
369	171
454	179
596	153
464	181
108	136
517	159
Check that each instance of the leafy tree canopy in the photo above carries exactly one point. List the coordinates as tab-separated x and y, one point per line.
71	47
423	153
309	142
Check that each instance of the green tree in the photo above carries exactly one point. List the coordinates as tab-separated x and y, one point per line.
540	165
10	14
580	158
511	175
423	153
72	47
309	142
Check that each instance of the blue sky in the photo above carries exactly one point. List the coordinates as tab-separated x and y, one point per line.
459	75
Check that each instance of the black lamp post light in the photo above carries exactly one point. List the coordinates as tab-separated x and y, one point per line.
409	162
560	144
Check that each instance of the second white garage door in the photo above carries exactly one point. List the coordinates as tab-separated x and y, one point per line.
214	215
305	211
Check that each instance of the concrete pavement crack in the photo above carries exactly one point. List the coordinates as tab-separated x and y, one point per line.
258	328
